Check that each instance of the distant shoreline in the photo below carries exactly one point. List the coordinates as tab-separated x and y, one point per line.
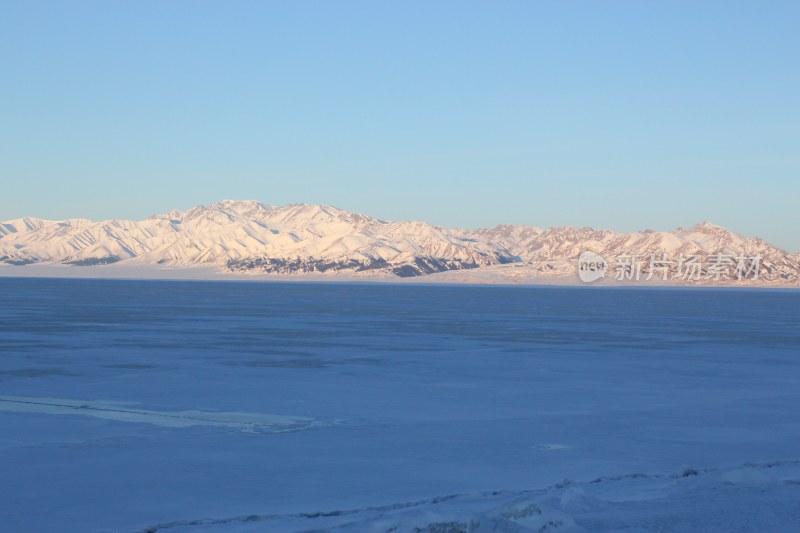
478	276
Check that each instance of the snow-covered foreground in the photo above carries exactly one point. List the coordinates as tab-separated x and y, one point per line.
756	497
202	406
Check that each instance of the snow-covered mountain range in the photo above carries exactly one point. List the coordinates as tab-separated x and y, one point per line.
251	237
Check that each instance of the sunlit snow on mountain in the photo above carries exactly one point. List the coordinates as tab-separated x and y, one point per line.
251	237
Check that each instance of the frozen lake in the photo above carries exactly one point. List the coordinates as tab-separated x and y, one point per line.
242	406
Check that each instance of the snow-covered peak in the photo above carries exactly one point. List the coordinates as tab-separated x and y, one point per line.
708	228
239	206
23	224
250	235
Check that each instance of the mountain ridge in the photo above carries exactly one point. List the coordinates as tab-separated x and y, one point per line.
248	236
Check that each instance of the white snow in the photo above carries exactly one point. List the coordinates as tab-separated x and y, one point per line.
324	236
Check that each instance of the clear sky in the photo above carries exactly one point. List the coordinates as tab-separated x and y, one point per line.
617	114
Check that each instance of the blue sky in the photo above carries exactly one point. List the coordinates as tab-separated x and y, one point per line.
623	115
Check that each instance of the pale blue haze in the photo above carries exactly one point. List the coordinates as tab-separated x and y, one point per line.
626	115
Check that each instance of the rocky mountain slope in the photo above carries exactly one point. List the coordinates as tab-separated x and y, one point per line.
248	236
556	250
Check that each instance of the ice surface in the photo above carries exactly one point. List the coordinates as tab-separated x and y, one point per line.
552	409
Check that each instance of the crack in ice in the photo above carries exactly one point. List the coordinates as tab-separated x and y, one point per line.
248	422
